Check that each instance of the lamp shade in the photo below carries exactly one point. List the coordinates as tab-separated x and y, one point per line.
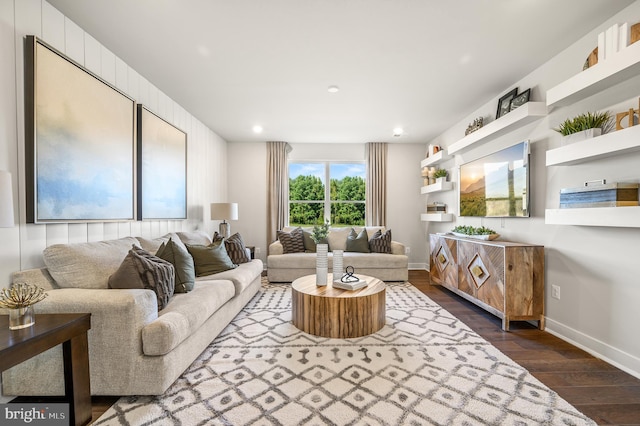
224	211
6	200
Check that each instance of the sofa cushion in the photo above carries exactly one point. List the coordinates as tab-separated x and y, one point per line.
141	269
241	277
176	253
210	259
292	242
236	249
194	238
380	243
184	314
358	242
86	265
309	244
153	244
337	238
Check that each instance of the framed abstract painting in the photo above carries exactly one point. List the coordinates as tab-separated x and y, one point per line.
80	142
162	168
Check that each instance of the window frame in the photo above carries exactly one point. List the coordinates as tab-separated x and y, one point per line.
327	186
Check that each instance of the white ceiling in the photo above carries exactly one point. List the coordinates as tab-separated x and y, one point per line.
418	64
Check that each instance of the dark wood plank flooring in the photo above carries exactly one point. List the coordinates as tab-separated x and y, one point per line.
606	394
603	392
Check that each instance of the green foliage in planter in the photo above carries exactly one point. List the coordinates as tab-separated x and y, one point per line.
586	121
440	173
320	232
470	230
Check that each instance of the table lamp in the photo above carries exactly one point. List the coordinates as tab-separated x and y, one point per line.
224	212
6	200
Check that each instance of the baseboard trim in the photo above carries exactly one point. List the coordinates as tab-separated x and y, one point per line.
614	356
418	266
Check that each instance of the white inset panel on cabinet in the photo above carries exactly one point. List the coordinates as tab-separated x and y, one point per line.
527	113
607	145
620	67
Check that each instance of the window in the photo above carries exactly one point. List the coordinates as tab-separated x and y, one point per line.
311	200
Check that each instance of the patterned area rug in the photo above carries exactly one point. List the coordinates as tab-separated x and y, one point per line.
424	367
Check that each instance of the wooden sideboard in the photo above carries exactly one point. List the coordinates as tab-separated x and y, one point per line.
504	278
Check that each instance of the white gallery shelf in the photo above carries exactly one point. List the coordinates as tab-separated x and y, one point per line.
622	217
520	117
607	145
436	217
437	158
437	187
620	67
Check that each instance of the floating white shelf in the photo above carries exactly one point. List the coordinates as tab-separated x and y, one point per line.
527	113
607	145
622	66
437	187
436	217
622	217
437	158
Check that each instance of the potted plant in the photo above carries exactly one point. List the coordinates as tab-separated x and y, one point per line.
440	175
480	233
584	126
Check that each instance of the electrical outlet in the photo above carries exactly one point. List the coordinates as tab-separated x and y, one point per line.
407	250
555	291
257	250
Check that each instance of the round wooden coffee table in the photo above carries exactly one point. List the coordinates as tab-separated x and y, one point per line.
332	312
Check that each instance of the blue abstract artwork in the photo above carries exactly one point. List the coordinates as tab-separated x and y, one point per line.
84	144
162	166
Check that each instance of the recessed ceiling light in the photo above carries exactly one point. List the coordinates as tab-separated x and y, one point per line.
257	129
397	132
333	89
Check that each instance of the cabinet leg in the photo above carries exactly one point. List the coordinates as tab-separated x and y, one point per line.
541	323
505	323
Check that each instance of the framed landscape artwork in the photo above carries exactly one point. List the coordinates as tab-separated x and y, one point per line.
162	168
80	142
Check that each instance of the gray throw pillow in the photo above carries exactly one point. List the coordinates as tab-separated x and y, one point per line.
210	259
141	269
380	243
185	272
358	242
309	244
236	249
292	242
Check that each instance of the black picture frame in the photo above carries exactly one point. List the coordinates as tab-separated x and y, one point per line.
80	142
504	103
519	100
162	168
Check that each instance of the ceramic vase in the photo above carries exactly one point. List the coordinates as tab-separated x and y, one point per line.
322	264
21	318
338	265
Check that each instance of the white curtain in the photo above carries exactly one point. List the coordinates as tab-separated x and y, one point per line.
376	188
277	187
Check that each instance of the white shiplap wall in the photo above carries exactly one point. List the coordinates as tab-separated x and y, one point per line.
21	247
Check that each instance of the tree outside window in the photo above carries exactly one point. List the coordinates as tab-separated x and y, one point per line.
308	193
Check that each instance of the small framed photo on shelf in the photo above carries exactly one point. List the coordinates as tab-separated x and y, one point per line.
520	99
504	103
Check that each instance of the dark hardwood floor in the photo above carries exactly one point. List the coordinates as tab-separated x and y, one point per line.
603	392
606	394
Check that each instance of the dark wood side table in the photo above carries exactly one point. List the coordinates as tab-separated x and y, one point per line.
50	330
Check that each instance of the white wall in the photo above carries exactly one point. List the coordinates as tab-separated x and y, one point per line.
21	247
595	267
403	186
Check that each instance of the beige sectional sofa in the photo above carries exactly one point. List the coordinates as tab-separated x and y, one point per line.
393	266
134	349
